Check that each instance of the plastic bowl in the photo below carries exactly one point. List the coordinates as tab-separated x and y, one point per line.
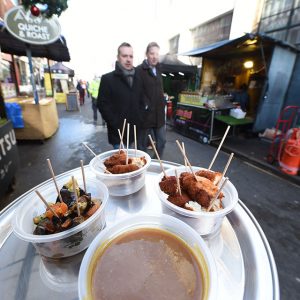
205	223
66	243
164	222
120	184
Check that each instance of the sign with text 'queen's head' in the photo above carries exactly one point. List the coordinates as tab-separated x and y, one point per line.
30	29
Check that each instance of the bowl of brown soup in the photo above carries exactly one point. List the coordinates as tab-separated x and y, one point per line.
148	257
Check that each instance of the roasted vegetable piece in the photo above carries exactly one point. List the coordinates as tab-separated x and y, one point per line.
60	209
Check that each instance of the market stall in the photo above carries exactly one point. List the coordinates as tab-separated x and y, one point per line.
60	78
252	72
50	45
177	77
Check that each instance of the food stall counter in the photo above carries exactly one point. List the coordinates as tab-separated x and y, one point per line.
40	120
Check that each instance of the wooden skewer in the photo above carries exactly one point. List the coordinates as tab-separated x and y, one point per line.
215	156
47	205
121	140
53	176
217	195
226	167
87	147
185	157
122	135
160	162
135	143
128	128
183	148
83	175
76	196
178	183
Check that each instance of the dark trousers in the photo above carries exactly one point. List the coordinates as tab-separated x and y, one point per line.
157	134
95	108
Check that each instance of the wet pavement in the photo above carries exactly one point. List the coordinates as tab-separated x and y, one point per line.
273	199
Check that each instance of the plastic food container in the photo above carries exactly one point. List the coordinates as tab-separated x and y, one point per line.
165	222
120	184
66	243
205	223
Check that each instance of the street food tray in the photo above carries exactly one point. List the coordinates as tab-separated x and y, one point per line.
245	263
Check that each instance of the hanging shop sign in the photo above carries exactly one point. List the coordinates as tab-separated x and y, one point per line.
30	29
59	76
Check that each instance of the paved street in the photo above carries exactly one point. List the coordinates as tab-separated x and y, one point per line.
273	200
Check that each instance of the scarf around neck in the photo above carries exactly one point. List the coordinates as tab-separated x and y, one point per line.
128	74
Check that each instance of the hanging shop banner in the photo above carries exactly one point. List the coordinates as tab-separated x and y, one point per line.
59	76
30	29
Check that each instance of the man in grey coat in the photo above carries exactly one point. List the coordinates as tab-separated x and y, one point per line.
153	103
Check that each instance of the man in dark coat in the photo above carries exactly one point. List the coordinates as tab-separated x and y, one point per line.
153	114
119	96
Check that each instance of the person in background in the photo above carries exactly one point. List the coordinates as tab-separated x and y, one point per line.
119	96
81	90
87	89
153	101
94	90
242	97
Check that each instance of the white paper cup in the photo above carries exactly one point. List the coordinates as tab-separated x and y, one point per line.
120	184
205	223
164	222
66	243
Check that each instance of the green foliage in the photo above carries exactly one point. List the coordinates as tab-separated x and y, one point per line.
55	7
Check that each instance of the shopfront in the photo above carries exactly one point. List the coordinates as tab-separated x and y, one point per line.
251	73
19	73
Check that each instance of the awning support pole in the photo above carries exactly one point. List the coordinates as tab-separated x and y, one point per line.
35	93
50	77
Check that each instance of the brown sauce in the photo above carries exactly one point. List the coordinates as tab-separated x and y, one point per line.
147	264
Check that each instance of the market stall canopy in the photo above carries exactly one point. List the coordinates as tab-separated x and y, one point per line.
57	51
62	69
245	44
170	63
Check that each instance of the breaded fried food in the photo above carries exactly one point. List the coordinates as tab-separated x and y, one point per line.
118	158
169	185
179	200
214	177
201	190
120	169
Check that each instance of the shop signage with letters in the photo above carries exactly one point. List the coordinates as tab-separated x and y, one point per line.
9	158
30	29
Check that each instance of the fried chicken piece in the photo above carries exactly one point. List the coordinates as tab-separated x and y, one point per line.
118	158
169	185
179	200
214	177
120	169
201	190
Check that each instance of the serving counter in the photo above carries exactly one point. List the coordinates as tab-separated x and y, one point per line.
198	122
40	120
245	263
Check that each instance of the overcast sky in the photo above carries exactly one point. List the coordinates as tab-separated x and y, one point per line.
94	29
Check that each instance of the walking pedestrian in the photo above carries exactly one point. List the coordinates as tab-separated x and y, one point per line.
87	89
94	90
81	90
119	96
153	103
